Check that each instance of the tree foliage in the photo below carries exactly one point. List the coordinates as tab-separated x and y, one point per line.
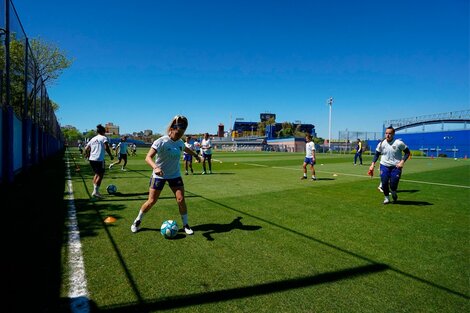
45	63
72	134
50	60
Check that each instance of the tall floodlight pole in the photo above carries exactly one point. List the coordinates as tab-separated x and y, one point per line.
330	103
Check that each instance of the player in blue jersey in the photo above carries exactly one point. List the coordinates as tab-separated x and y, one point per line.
394	154
122	150
166	168
309	157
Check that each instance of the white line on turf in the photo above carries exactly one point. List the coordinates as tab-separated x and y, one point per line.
260	165
363	176
78	292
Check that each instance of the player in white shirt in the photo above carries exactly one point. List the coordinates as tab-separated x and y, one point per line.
166	168
187	157
197	146
206	147
394	155
94	152
309	157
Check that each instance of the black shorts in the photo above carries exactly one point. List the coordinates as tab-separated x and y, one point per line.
122	156
159	183
98	167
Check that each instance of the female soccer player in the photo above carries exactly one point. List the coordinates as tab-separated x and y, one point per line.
166	168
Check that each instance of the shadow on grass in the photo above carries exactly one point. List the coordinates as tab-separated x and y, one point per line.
243	292
33	215
409	202
409	191
135	194
213	228
216	173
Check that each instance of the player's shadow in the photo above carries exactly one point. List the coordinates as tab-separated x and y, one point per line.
212	228
409	202
409	191
325	178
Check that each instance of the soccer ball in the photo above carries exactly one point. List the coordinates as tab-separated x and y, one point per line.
111	189
169	229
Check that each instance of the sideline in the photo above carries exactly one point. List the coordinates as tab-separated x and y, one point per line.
78	291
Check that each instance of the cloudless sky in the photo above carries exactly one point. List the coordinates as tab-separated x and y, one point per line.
139	63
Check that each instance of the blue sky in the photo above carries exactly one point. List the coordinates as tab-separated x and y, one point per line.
139	63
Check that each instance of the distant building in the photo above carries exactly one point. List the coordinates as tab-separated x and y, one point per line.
111	128
220	131
244	129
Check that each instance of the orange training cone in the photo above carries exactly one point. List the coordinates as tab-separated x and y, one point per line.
110	220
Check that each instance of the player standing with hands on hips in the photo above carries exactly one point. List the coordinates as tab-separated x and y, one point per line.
309	157
166	168
206	146
358	153
394	155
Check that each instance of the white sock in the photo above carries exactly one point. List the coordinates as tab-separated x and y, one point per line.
140	216
184	217
96	188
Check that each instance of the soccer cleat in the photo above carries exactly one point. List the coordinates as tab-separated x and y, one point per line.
136	226
314	178
203	173
123	169
303	177
110	166
380	189
386	200
188	230
210	172
97	195
186	173
394	196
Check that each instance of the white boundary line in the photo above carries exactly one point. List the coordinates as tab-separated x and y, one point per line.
363	176
78	291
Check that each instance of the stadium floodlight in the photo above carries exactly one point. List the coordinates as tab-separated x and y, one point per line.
330	103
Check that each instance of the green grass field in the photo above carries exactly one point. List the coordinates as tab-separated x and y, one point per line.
265	241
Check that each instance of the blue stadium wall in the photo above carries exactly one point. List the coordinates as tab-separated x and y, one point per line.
439	143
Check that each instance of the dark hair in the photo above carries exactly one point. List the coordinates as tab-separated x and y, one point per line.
100	129
393	129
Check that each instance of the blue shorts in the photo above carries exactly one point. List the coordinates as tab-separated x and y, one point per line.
309	161
188	157
207	156
159	183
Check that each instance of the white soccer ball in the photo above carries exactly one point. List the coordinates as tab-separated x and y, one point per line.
169	229
111	189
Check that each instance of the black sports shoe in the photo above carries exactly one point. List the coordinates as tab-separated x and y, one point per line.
394	196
